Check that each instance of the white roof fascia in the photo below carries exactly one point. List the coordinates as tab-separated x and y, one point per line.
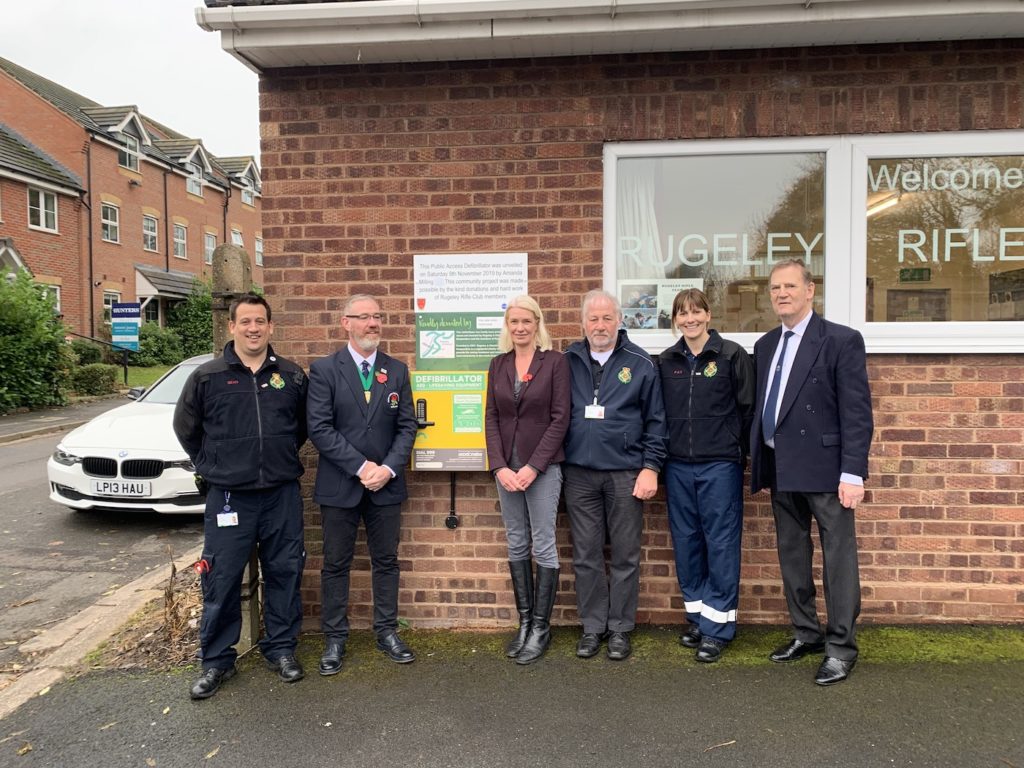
372	31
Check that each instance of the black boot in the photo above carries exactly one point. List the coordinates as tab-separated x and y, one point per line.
522	586
540	629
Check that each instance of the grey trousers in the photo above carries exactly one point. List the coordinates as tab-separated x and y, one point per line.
840	577
529	518
601	504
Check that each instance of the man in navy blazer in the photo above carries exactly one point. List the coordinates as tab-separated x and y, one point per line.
809	445
361	421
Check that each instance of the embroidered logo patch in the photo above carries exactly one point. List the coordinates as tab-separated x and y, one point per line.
276	381
625	375
710	369
393	400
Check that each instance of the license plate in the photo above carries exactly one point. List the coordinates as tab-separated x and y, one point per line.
121	488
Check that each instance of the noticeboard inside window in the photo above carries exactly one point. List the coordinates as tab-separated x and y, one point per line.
718	223
945	239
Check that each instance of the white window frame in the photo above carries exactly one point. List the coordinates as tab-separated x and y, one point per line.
109	299
248	192
182	230
41	210
50	288
128	152
209	246
153	302
846	163
258	252
236	238
110	223
150	239
194	182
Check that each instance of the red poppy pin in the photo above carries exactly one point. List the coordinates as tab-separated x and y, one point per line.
382	376
527	378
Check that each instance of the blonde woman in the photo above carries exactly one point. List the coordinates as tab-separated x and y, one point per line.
526	420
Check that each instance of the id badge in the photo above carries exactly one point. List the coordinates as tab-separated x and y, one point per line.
227	519
594	411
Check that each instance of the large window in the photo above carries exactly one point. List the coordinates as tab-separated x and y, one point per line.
42	210
258	252
248	193
180	241
236	237
128	154
110	226
917	240
194	182
150	239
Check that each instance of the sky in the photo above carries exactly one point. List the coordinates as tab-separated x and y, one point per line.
150	53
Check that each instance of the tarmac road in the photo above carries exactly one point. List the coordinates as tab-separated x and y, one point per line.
455	707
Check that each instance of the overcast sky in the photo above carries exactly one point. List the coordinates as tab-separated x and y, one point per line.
150	53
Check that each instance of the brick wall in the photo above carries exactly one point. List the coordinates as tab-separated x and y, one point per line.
365	166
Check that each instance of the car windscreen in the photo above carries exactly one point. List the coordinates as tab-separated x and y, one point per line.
168	389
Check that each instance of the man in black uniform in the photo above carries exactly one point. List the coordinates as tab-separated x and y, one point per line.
242	419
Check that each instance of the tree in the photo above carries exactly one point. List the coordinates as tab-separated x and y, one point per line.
192	320
36	361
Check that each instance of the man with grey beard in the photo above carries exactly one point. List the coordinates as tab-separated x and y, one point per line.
361	421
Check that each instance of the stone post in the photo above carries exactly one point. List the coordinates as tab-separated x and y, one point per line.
232	277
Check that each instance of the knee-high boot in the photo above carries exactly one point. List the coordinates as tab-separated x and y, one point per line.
522	587
539	638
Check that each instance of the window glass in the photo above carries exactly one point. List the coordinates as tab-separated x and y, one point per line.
180	241
717	223
109	223
128	154
209	246
258	252
151	312
149	233
945	240
110	298
236	237
42	210
194	183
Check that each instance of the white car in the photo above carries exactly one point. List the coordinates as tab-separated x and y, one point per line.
129	457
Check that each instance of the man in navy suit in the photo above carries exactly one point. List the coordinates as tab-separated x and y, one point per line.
361	421
809	445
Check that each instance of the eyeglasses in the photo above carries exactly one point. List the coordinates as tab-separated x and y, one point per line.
364	317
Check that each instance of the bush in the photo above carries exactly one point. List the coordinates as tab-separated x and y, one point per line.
94	379
157	346
192	320
86	352
36	361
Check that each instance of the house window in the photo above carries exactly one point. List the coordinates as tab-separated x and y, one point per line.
194	182
53	293
916	241
110	298
236	237
110	228
180	241
151	312
248	193
128	154
149	233
209	246
42	210
259	252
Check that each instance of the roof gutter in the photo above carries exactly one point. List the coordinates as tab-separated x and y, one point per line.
331	33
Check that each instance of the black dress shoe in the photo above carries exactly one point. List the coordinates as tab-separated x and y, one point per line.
833	670
207	685
287	668
589	645
619	646
710	650
691	637
330	662
796	649
395	649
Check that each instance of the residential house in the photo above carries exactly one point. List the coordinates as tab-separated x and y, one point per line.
107	205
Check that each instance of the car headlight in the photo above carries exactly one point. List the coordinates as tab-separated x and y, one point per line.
67	459
185	464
